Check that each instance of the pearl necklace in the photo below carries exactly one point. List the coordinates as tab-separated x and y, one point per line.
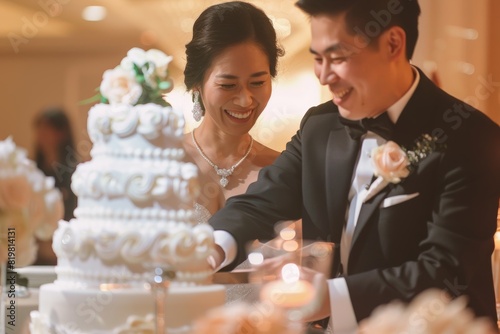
222	172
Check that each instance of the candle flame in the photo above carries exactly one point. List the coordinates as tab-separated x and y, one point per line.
255	258
290	245
287	233
290	273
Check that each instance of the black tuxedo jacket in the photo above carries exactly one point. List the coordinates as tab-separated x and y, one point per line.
441	238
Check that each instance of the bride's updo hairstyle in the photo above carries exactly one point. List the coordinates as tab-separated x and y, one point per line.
221	26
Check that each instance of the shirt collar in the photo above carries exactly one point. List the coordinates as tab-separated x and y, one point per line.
396	109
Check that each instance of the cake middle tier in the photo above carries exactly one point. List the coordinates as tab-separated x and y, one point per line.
135	183
91	252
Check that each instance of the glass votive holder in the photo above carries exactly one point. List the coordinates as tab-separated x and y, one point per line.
495	264
292	276
159	287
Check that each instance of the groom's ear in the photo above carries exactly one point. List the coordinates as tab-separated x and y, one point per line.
395	42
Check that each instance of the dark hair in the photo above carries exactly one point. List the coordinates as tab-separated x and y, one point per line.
224	25
371	17
56	118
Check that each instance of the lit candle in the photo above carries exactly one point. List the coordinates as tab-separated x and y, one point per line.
495	261
290	291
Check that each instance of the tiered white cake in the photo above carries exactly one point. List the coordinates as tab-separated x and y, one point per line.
135	213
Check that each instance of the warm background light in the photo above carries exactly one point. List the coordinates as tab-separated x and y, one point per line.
94	13
255	258
51	56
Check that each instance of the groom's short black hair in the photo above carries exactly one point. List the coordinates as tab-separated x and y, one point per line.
371	17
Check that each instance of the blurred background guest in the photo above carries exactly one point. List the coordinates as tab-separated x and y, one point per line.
55	156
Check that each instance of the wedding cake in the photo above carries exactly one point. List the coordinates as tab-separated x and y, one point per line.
134	214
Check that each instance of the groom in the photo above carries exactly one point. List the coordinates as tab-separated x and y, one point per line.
403	177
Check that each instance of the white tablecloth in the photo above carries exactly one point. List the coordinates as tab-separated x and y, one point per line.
36	275
24	305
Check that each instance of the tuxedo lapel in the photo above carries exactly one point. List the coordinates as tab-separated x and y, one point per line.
367	210
410	125
341	155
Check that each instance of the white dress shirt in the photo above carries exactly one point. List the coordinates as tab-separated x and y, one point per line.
343	320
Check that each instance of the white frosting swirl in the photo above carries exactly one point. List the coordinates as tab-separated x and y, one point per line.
99	123
174	126
147	120
172	244
124	119
139	186
152	119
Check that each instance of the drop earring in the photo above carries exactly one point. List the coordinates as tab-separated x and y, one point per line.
197	109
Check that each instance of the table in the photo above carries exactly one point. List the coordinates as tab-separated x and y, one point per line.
24	305
237	289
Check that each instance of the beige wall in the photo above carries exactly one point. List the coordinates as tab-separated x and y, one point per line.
493	103
461	40
33	82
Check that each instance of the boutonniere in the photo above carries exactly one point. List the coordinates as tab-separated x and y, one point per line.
393	163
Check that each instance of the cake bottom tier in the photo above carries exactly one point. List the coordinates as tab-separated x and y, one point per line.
67	310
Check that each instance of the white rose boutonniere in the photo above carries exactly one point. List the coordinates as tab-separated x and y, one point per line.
393	163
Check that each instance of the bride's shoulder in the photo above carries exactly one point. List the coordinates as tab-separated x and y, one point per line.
264	155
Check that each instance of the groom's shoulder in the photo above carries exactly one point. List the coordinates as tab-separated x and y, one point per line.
459	118
324	108
321	112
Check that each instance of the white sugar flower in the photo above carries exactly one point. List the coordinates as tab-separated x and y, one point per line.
29	204
141	78
10	155
160	61
134	56
120	86
15	191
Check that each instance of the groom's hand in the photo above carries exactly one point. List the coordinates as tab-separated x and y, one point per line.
217	257
319	308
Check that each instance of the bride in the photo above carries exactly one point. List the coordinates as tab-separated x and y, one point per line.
231	60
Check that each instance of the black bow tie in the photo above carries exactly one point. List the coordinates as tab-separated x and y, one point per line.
381	125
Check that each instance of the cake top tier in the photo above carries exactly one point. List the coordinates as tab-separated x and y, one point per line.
140	78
